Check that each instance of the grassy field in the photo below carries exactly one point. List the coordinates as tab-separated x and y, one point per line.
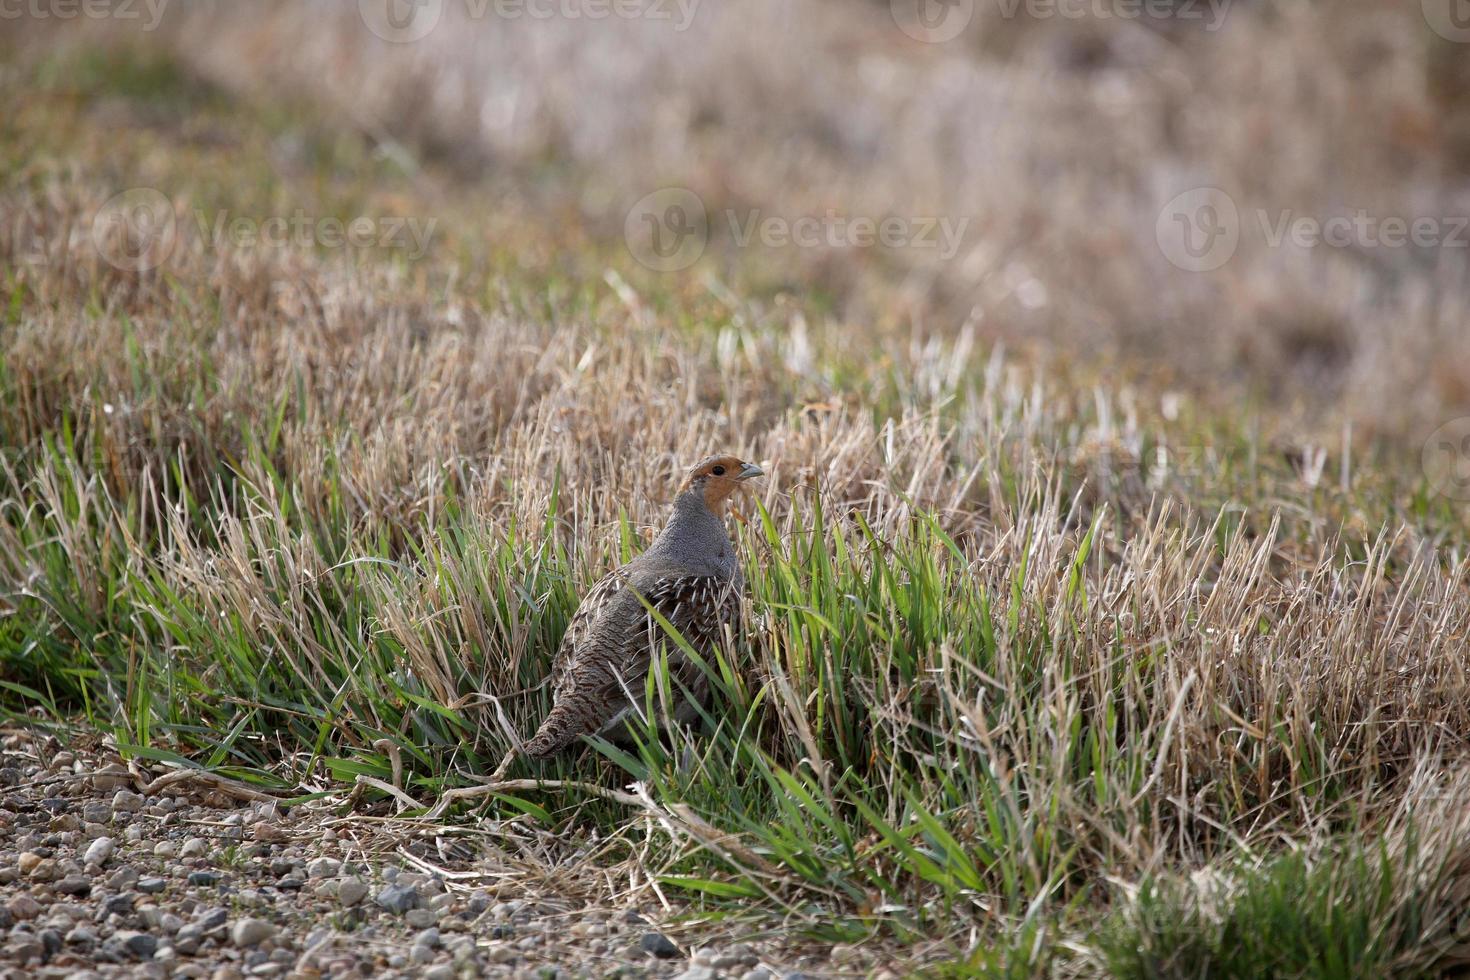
1054	665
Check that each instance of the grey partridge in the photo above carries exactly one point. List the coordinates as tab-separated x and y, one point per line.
690	575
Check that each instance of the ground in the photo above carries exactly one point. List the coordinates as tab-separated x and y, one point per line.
107	871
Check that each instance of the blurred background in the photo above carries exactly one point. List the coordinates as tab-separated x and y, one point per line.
1128	185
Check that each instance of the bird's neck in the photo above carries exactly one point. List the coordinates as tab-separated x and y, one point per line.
693	523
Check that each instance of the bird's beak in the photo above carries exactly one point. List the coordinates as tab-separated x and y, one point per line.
750	470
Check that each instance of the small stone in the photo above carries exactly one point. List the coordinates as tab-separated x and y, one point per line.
268	832
420	954
23	907
123	878
45	870
133	834
170	923
291	884
479	902
99	851
126	801
659	945
165	849
420	918
25	948
213	919
843	954
397	899
194	847
111	777
759	973
203	879
429	938
251	932
323	867
138	944
82	936
27	862
351	891
50	942
97	812
74	885
444	971
698	973
152	886
118	905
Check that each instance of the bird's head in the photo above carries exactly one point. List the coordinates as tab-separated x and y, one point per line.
715	478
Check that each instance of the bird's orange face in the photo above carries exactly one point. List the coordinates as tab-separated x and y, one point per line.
717	477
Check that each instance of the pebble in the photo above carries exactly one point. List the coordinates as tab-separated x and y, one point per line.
123	878
45	870
420	918
126	801
110	777
152	886
351	891
27	862
134	833
23	907
251	932
420	954
74	885
166	849
397	899
213	919
429	938
443	971
268	832
81	935
194	847
139	944
118	905
698	973
203	879
99	851
759	973
659	945
323	867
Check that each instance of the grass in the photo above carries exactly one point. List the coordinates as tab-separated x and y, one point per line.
1041	675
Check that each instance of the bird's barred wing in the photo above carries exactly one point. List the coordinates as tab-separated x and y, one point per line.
575	643
607	654
698	606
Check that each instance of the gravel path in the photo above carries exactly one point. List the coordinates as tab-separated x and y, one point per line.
97	879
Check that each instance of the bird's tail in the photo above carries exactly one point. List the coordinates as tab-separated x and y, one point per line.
559	729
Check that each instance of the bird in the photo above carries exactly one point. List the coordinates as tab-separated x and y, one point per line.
690	574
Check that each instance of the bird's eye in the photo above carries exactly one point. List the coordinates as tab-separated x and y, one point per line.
718	471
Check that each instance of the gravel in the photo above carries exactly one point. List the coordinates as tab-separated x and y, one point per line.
99	851
658	945
98	880
251	932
